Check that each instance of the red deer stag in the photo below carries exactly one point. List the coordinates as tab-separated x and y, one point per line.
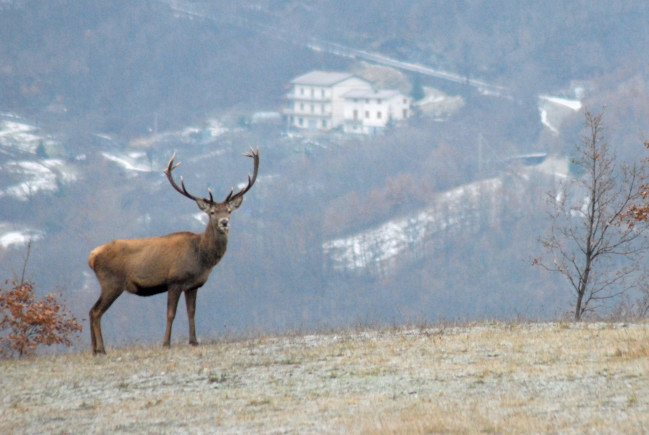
175	263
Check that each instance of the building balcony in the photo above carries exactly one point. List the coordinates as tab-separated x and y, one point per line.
305	113
317	99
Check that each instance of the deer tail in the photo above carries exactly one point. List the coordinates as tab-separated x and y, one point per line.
91	259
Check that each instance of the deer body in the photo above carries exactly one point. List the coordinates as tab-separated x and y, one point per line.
176	263
148	266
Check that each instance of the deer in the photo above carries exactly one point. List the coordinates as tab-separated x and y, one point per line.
175	263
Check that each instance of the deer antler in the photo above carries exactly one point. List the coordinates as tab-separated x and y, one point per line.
231	196
182	189
251	180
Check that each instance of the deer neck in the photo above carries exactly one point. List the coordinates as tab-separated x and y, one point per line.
212	245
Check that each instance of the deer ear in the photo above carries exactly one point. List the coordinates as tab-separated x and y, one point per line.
203	205
235	203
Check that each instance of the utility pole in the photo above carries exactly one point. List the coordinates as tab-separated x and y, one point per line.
480	146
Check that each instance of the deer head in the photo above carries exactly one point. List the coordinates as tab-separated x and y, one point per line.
218	212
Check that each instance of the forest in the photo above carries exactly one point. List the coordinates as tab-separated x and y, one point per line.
98	78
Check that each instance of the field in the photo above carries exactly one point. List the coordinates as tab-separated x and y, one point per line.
482	378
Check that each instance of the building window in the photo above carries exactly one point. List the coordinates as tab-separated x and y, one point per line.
324	123
355	115
301	107
323	93
378	101
301	91
405	113
312	108
300	121
367	114
378	115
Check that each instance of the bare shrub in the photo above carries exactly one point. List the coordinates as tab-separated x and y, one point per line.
26	322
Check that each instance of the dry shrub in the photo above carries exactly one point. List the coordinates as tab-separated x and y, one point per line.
26	322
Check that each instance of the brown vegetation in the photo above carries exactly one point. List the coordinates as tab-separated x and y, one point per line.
26	323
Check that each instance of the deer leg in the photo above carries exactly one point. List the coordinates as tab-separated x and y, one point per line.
190	301
172	305
104	302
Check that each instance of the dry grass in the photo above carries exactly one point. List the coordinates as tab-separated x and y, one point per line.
486	378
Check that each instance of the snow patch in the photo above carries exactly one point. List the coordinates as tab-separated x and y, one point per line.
382	244
200	217
467	209
12	237
133	161
15	134
574	105
38	176
554	110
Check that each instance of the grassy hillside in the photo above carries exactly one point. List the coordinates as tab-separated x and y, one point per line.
494	378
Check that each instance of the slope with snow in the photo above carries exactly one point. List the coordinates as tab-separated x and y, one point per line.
554	110
378	248
466	208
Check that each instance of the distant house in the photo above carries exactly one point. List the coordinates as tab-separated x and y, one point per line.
323	100
369	111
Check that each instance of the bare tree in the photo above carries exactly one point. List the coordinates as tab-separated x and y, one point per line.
598	256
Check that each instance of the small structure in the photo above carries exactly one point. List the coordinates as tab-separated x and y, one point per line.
324	100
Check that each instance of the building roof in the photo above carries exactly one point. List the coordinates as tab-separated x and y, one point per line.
321	78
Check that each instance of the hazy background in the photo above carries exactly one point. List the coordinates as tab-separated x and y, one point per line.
96	96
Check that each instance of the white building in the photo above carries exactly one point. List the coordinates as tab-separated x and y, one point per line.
323	100
369	111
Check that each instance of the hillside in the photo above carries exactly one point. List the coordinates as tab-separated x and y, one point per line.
492	377
441	212
465	209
